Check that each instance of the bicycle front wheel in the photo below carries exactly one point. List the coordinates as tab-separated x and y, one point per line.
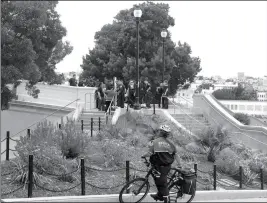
176	194
134	191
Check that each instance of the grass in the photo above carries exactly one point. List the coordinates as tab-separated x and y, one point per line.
133	147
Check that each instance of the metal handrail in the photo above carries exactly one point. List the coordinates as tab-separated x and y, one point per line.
213	119
109	107
45	117
186	113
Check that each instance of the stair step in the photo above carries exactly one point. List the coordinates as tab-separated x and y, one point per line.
190	119
186	115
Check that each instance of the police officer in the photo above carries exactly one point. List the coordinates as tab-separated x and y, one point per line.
162	153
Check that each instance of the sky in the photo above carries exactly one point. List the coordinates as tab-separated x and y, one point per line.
228	36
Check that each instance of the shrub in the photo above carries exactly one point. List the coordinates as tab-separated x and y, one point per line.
213	141
71	140
114	152
242	118
137	140
228	162
181	138
47	156
258	161
243	151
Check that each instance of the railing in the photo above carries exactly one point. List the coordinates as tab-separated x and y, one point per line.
9	138
186	113
198	109
187	121
208	179
109	109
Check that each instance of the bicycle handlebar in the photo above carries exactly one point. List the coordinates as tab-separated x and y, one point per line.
146	161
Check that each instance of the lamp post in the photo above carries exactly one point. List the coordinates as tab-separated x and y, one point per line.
163	35
137	15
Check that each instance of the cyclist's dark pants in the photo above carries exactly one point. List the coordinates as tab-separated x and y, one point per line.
161	182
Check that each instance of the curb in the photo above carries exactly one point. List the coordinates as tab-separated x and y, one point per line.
200	196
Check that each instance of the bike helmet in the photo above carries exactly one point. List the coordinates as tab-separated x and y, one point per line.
165	128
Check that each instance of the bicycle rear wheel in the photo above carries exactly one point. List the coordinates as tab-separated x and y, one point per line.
133	187
176	194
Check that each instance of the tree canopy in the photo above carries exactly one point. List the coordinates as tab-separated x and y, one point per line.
238	93
114	54
31	45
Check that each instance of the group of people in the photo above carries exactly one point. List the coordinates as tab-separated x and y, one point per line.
106	91
145	93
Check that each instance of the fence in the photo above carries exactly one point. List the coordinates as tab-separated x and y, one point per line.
91	124
8	138
214	173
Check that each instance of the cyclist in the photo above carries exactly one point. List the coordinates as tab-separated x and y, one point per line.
162	153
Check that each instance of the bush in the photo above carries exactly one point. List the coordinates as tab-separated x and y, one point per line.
242	118
243	151
71	140
47	156
228	162
137	140
213	140
181	138
258	161
115	152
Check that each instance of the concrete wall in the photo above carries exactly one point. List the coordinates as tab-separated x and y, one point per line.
21	115
59	95
253	136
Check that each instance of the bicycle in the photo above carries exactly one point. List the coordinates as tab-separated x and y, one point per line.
174	185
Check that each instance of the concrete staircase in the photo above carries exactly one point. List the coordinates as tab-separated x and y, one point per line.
88	115
192	122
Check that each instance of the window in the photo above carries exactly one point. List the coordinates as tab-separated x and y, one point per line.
232	107
242	107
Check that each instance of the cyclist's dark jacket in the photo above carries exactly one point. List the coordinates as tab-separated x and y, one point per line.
162	151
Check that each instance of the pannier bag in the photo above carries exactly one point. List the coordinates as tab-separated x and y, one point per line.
189	182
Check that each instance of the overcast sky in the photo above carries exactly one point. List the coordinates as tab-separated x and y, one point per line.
229	37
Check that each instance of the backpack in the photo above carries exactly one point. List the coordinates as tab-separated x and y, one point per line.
162	158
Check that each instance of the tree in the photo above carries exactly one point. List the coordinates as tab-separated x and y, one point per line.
31	44
73	81
114	54
56	79
206	86
224	94
88	81
238	93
